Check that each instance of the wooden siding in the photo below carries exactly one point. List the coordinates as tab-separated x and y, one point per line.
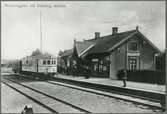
147	57
117	60
144	56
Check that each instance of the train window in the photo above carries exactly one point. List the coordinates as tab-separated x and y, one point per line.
44	62
48	62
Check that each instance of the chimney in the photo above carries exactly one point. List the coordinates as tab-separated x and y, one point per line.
97	35
114	30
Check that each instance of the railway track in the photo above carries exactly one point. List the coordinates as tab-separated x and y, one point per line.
114	89
143	102
150	104
42	98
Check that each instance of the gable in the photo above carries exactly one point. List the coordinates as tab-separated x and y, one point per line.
149	42
134	37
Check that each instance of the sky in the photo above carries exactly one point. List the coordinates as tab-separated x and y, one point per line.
64	21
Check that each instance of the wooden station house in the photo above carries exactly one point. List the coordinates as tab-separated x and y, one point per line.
106	55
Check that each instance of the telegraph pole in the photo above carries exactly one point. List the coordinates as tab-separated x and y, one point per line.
41	31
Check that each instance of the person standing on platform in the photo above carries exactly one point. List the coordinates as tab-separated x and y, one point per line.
124	77
88	72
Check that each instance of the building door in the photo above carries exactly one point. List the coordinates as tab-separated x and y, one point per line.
95	67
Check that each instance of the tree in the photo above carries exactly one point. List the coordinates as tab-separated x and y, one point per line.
36	52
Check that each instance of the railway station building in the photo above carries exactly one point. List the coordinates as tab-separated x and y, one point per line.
106	55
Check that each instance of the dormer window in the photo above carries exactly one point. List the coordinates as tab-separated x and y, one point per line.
132	46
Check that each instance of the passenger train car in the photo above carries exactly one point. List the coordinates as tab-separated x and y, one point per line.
37	65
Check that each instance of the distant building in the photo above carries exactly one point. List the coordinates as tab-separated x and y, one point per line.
107	55
65	61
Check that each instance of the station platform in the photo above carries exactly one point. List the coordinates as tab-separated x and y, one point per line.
151	92
110	82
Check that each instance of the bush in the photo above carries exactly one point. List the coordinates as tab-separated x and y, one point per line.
148	76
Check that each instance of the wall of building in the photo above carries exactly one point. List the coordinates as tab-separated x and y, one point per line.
147	57
117	60
133	54
113	70
121	57
146	53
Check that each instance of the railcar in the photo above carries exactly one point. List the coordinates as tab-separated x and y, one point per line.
40	65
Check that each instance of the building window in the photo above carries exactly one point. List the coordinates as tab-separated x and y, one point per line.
104	68
118	49
132	46
107	58
26	61
54	62
95	66
132	64
100	65
48	62
44	62
100	68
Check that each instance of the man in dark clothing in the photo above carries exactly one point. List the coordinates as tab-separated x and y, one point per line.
124	77
88	72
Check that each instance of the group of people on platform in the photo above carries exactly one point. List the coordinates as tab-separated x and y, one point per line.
85	70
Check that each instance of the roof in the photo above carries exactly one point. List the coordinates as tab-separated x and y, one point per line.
82	47
103	44
107	43
67	53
